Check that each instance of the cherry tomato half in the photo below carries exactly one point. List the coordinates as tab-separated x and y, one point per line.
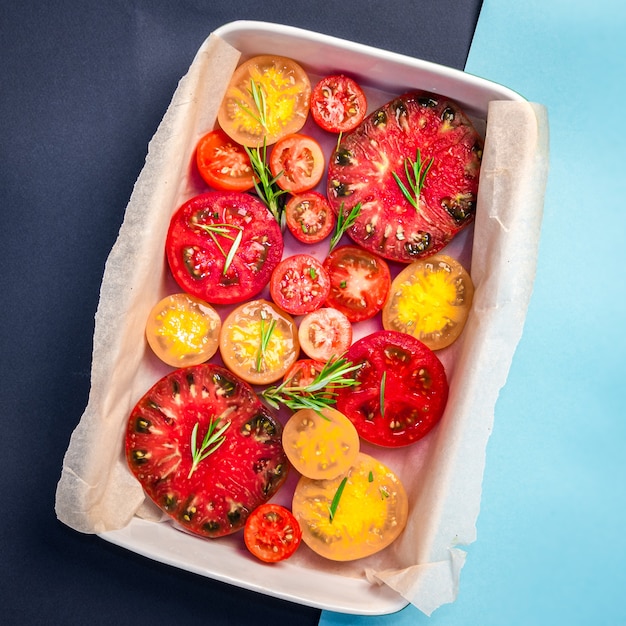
183	330
320	444
325	333
222	163
298	163
338	104
402	390
259	342
272	533
299	284
430	299
223	245
309	217
267	98
359	282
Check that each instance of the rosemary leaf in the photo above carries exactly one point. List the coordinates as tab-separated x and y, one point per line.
213	439
343	223
335	503
382	393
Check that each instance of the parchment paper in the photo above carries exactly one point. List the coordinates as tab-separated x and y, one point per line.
443	473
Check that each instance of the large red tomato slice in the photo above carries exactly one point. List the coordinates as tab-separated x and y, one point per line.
222	246
208	494
403	389
431	146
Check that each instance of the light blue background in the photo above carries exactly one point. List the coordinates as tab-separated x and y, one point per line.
551	532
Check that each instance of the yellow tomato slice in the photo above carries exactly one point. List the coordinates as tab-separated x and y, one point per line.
183	330
259	342
430	299
266	99
320	445
354	515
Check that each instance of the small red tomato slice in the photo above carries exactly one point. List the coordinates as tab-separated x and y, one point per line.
299	284
338	104
325	333
359	282
309	217
223	163
222	246
298	163
402	390
272	533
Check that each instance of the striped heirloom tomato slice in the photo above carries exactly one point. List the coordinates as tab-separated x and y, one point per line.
413	167
205	449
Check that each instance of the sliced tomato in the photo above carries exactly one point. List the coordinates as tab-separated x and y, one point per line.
430	299
303	372
224	164
267	98
324	334
259	342
320	444
166	442
430	138
354	515
272	533
223	246
309	217
359	282
338	103
402	391
299	284
297	161
183	330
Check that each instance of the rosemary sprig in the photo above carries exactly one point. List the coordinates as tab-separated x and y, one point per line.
265	183
335	503
211	442
258	97
320	393
343	223
416	172
383	380
266	333
222	229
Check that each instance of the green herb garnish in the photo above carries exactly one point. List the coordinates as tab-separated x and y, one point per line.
343	223
258	96
266	333
335	503
211	442
223	229
265	183
383	380
318	394
416	172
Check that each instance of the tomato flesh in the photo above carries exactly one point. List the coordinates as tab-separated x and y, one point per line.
324	334
267	98
224	164
359	282
272	533
299	284
309	217
215	497
370	514
338	104
200	239
430	299
418	127
402	391
297	162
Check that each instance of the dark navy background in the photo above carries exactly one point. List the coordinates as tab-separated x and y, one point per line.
83	87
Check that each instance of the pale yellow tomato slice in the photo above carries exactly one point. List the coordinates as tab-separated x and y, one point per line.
320	445
267	98
353	515
430	299
259	342
183	330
